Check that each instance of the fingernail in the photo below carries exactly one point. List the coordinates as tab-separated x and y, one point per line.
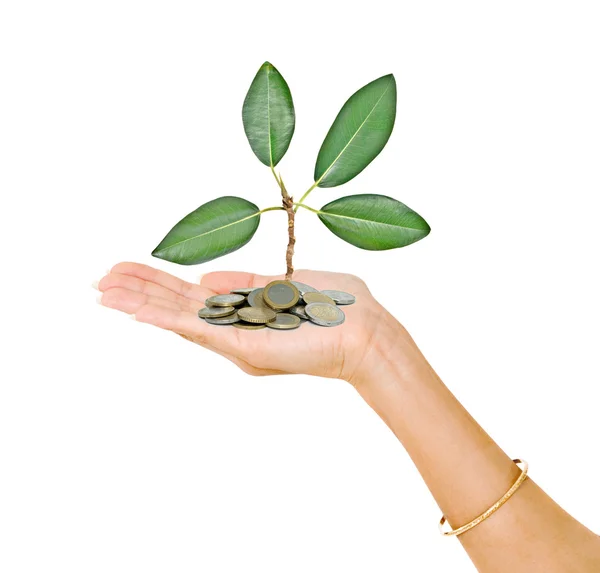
95	285
99	299
132	316
107	272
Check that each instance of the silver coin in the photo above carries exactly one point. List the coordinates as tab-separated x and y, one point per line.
324	314
215	311
284	321
302	288
225	300
245	291
256	300
229	319
317	297
340	297
299	311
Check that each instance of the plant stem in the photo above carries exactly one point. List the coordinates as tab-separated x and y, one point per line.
277	208
279	181
288	205
306	195
307	207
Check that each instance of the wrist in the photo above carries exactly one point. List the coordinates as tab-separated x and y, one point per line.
391	356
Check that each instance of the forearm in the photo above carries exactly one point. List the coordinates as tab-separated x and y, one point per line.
466	471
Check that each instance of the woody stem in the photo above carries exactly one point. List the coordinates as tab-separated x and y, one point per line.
288	204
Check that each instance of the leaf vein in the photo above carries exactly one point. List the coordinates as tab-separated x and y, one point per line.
367	220
213	230
354	135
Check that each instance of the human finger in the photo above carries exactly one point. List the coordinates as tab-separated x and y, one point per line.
163	279
130	301
133	283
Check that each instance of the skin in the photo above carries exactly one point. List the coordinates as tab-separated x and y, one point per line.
465	470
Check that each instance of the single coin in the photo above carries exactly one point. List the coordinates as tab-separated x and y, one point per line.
255	298
299	311
280	294
302	288
340	297
325	314
225	300
215	311
259	315
229	319
317	297
284	321
245	291
249	325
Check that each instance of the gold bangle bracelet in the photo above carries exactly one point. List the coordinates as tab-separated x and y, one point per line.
492	509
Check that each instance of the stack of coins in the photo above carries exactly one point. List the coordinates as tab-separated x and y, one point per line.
282	305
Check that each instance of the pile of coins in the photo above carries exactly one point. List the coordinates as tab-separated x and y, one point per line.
283	305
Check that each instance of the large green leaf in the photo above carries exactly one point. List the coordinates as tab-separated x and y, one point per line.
268	115
373	222
213	230
358	134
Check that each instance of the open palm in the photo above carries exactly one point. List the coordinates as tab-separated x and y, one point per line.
161	299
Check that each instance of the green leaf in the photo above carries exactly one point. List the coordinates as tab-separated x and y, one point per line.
358	134
373	222
268	115
214	229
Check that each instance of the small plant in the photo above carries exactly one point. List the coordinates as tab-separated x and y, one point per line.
358	134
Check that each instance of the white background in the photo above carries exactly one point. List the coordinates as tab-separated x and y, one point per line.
124	448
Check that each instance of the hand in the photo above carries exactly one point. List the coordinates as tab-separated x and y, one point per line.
347	351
